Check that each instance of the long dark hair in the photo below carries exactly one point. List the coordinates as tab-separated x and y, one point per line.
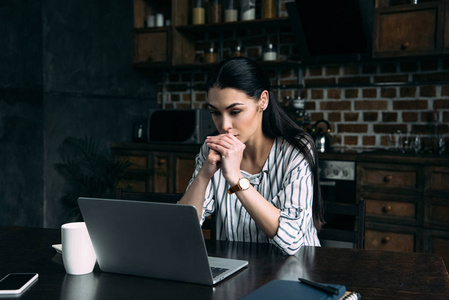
245	75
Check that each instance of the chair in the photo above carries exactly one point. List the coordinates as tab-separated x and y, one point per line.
344	223
208	224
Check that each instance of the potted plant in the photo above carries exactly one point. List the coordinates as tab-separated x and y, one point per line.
90	171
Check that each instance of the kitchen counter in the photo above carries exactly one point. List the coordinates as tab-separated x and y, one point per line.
385	156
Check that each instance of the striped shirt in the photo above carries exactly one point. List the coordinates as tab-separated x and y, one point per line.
286	181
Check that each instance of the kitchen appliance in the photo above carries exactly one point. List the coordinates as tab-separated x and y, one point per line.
338	184
322	137
329	30
184	126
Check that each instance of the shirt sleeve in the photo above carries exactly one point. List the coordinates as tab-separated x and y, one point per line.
294	201
208	206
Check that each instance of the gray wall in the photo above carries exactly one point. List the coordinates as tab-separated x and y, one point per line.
66	70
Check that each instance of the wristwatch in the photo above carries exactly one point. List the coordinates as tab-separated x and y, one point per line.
242	185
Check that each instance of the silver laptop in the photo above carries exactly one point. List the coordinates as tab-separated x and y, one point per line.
151	239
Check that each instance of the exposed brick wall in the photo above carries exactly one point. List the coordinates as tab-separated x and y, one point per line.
363	115
365	102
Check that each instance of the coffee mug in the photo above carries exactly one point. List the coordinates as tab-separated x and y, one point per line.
78	253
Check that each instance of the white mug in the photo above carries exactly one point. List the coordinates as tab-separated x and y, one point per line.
78	253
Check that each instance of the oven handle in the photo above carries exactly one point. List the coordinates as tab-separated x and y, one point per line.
328	183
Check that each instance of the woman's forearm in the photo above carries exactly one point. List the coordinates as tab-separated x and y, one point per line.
195	194
265	214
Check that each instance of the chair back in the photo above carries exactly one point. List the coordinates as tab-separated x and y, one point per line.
346	223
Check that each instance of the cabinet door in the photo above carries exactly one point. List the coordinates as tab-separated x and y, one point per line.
439	244
152	46
161	179
446	28
184	167
409	30
137	178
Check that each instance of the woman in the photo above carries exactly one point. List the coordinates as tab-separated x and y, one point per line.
259	174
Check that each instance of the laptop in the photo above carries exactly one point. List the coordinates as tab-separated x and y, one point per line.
158	240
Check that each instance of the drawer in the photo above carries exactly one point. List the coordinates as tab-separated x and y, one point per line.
134	185
389	241
390	176
391	208
138	161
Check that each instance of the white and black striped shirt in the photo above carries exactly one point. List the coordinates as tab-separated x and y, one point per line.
285	180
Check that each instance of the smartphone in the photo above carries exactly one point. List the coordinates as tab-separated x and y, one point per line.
16	283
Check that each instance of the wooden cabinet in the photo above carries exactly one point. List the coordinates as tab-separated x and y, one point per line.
162	168
162	45
446	28
182	44
407	30
407	203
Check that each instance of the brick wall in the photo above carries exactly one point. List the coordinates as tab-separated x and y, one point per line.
366	103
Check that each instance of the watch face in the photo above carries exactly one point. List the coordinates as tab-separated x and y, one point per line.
244	183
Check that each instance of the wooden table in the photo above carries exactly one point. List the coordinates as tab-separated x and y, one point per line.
374	274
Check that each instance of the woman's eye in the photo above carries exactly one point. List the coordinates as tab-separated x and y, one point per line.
214	113
235	112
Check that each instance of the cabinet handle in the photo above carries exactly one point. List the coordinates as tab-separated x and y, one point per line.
405	45
161	162
386	208
386	239
388	178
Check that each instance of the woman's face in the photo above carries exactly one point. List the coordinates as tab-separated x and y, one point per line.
236	113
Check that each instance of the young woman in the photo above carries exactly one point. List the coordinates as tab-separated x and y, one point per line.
259	174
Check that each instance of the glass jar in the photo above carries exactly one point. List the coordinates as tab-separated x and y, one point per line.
247	10
270	53
211	56
230	11
238	51
215	11
269	9
198	12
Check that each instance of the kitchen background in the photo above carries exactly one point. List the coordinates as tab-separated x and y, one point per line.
66	70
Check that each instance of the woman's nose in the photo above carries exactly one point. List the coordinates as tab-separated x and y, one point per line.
226	124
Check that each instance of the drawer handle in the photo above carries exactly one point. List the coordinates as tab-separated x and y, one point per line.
388	178
386	208
161	162
405	45
386	240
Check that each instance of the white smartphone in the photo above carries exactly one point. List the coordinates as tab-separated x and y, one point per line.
16	283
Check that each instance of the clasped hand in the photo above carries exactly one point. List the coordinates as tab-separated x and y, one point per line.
226	152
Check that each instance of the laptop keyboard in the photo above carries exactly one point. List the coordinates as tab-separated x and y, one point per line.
217	271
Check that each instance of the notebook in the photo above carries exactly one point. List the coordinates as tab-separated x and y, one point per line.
151	239
286	290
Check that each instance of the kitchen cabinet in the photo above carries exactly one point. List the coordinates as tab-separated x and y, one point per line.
175	45
446	28
407	202
160	168
407	30
162	45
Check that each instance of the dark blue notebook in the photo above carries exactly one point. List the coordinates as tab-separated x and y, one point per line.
287	289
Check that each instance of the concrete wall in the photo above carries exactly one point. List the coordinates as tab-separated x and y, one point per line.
76	80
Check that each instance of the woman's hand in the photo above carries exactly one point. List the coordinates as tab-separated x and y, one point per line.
226	152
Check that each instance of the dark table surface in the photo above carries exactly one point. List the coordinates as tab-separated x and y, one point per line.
374	274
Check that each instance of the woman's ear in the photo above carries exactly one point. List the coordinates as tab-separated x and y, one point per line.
263	101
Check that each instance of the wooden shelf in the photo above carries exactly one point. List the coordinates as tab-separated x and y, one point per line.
266	23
